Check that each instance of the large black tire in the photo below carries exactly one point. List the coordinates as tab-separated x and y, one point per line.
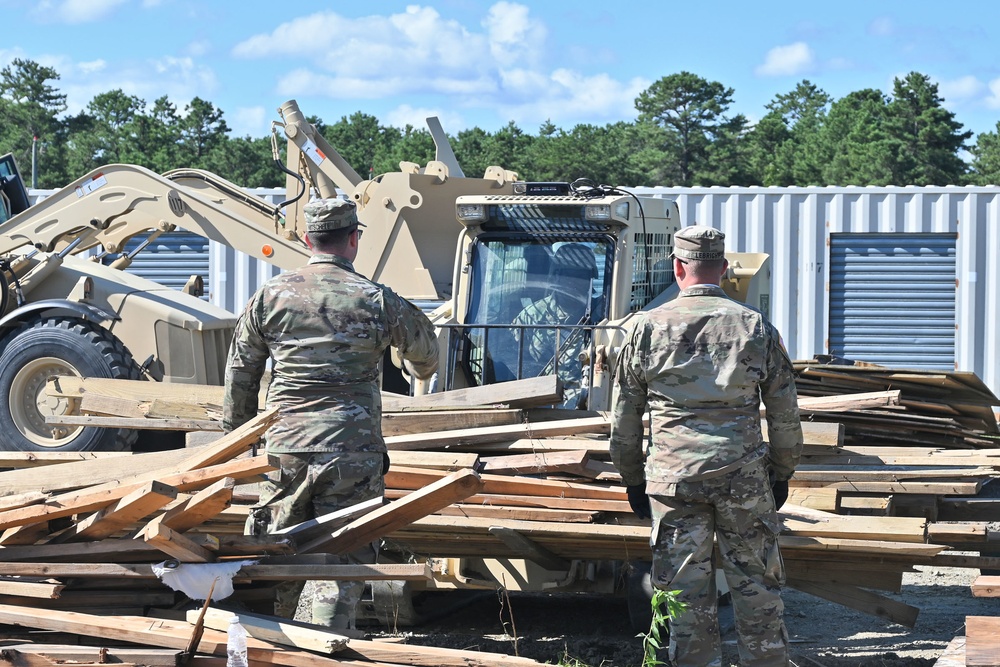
59	346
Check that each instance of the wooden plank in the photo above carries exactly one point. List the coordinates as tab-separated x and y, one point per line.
74	599
279	572
90	500
328	523
844	402
109	406
37	459
15	658
276	630
953	654
518	513
540	463
986	586
862	600
438	460
593	446
824	434
136	390
163	408
86	472
200	507
441	493
416	478
31	589
525	548
528	393
140	423
175	544
140	503
547	502
982	641
73	654
441	439
404	423
819	498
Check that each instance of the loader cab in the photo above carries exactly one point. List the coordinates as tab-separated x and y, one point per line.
13	194
543	277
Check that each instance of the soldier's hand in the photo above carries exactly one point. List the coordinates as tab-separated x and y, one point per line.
639	501
780	492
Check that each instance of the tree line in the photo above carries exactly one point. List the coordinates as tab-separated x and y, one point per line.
685	134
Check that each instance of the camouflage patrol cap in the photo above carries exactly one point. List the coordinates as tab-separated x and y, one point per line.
323	215
699	242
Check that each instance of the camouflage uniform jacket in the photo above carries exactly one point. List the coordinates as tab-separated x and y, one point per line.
325	328
541	343
702	363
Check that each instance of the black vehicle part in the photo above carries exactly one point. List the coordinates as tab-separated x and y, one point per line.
43	348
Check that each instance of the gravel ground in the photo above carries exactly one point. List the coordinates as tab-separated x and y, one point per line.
593	631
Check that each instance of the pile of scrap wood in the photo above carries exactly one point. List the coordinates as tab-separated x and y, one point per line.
486	472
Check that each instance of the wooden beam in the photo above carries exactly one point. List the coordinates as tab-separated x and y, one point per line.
200	507
36	459
175	545
328	523
86	472
404	423
71	655
573	462
524	547
441	493
130	423
471	436
986	586
416	478
277	630
862	600
982	641
90	499
449	461
31	589
528	393
140	503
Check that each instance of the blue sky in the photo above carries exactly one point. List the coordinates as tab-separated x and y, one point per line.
485	64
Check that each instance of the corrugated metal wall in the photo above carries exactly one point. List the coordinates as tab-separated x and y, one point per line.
794	226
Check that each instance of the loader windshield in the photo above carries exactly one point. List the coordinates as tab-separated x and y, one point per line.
535	299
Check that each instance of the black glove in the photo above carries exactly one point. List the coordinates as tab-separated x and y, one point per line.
385	463
780	492
639	501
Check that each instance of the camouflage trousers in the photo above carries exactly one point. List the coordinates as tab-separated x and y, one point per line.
309	485
735	510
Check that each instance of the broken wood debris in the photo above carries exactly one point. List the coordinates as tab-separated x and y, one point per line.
893	464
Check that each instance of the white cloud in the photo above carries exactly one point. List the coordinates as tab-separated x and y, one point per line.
180	79
961	89
882	27
91	67
499	65
75	11
787	60
405	114
198	48
566	95
993	99
249	121
514	37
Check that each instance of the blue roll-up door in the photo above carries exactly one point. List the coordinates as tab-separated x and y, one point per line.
892	299
172	259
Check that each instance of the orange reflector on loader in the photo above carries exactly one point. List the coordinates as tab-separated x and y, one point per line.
266	250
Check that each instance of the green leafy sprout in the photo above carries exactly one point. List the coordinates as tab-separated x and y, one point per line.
665	607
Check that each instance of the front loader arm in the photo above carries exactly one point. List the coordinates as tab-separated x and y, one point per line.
122	201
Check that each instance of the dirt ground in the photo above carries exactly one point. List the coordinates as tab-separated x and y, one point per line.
593	631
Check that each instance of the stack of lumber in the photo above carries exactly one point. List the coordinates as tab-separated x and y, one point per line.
81	539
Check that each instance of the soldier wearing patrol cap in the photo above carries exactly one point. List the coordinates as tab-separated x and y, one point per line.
325	329
702	364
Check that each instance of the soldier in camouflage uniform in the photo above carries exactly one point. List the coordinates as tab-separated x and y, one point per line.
568	302
325	329
702	364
